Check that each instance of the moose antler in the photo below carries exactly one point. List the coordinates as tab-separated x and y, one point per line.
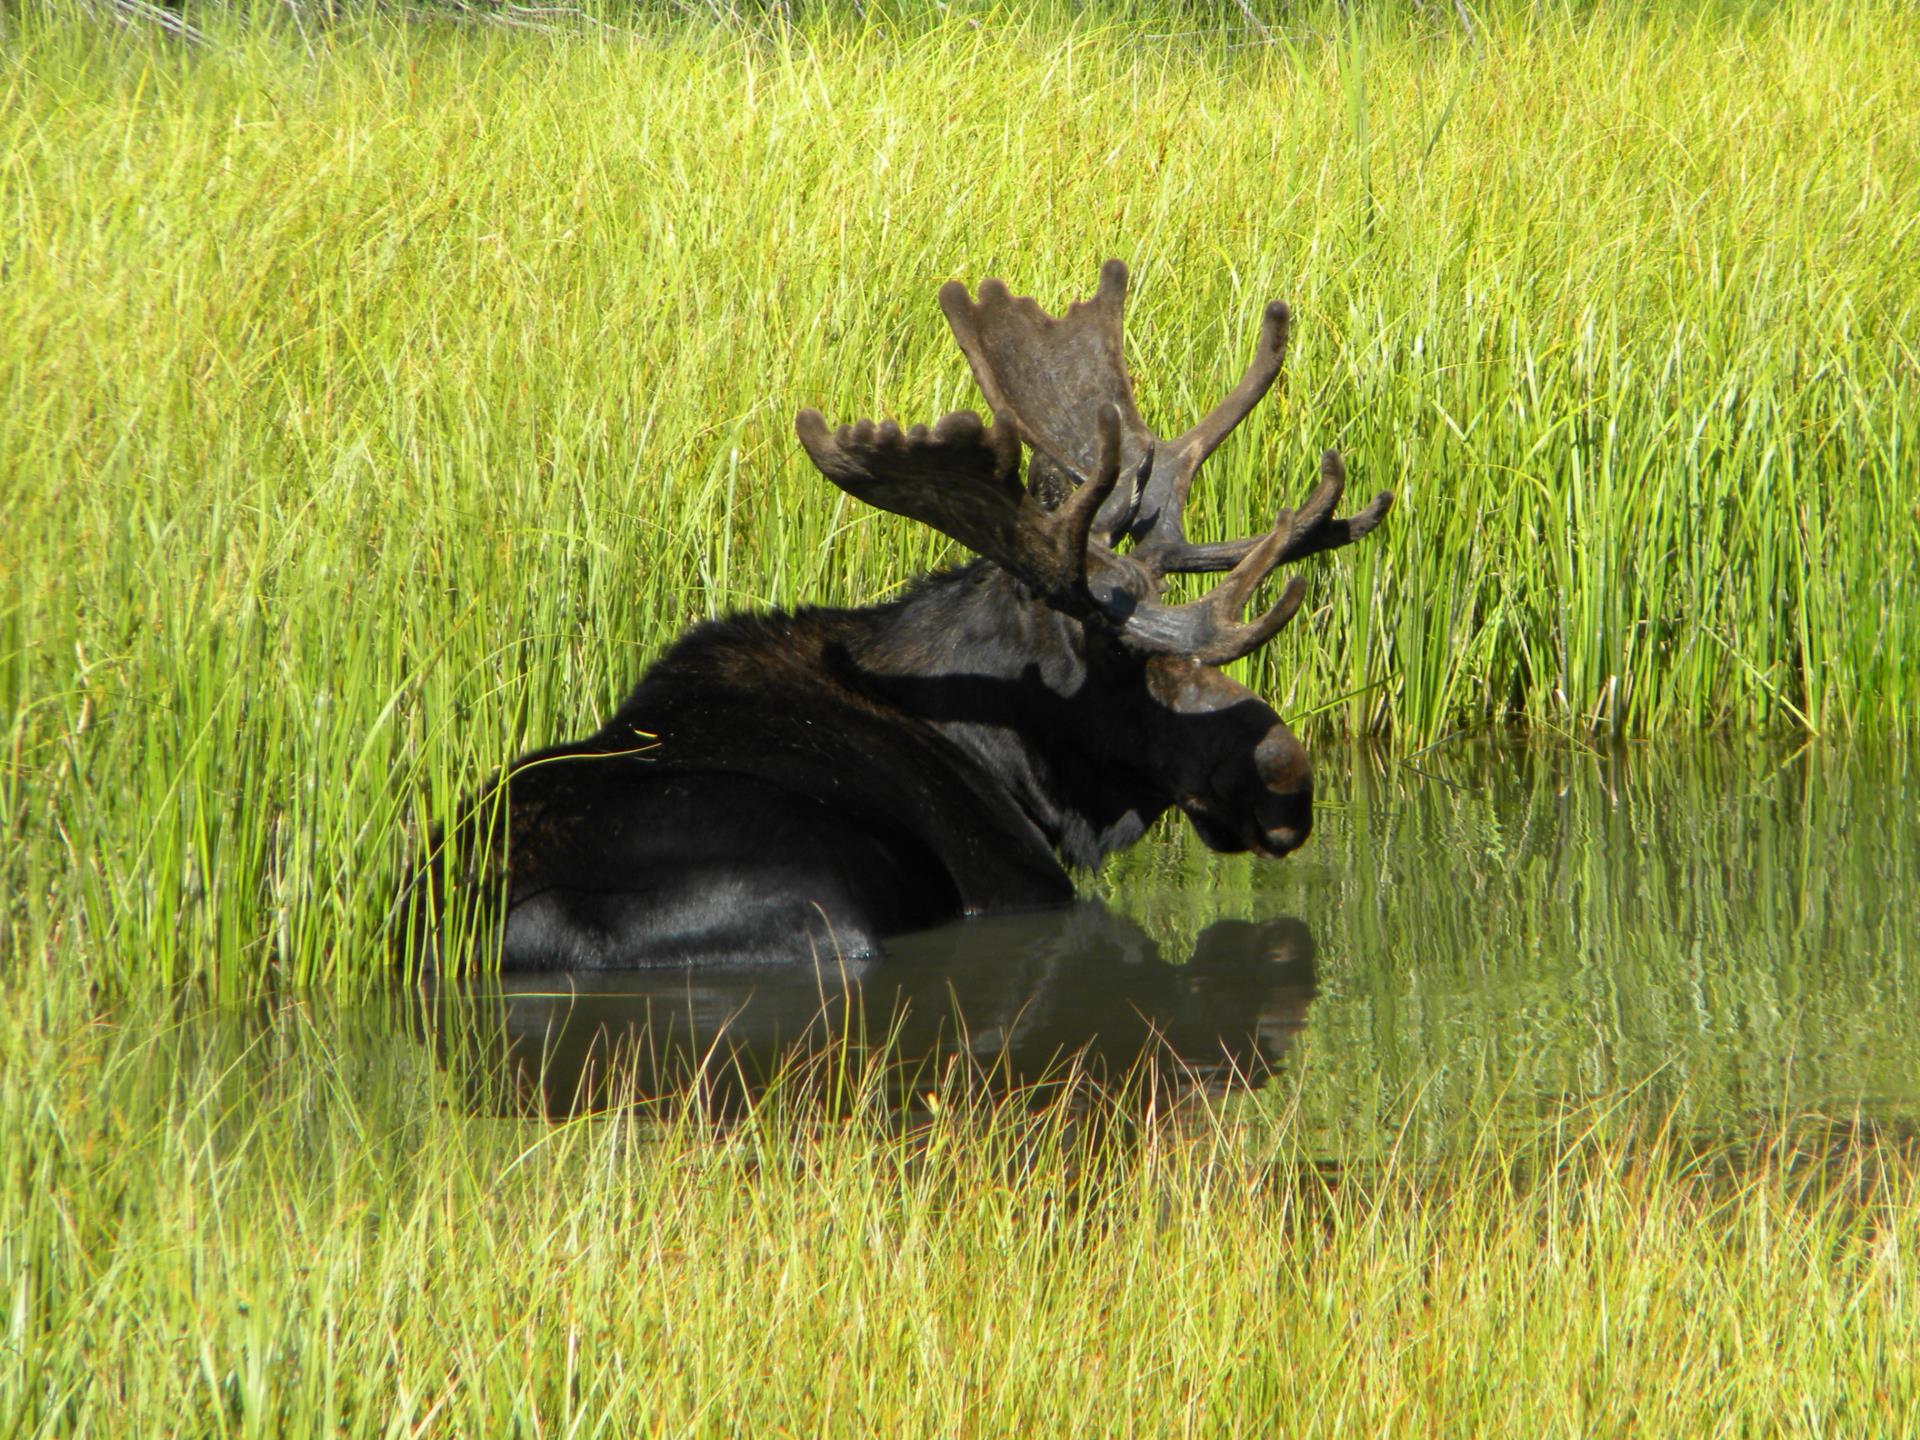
963	480
1059	385
1048	377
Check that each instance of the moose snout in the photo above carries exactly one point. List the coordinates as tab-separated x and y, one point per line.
1283	813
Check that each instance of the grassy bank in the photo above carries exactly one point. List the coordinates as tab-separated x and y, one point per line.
375	406
284	1226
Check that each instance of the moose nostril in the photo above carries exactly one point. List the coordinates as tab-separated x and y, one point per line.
1286	820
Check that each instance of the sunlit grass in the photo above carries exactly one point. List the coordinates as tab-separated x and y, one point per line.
288	1225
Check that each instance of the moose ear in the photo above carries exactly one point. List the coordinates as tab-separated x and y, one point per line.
1052	377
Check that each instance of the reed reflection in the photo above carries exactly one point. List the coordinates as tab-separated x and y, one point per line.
1024	1006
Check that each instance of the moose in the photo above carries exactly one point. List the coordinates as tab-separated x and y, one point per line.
795	787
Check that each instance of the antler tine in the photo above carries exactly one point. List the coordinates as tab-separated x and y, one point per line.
1315	528
1159	525
1314	531
1209	629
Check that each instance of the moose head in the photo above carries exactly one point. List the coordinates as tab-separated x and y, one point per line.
1093	533
786	786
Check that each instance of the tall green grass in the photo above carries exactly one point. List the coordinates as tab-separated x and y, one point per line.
374	402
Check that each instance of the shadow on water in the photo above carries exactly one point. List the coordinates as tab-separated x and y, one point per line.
1023	1007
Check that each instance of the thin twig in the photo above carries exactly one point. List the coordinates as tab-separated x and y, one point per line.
1246	9
1466	21
140	12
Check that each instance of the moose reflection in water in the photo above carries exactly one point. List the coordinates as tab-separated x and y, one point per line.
1076	1000
792	785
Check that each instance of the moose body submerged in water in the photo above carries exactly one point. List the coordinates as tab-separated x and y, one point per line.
800	786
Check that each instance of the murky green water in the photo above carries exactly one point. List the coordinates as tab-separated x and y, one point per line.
1727	930
1736	930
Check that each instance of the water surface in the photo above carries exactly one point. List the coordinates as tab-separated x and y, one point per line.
1725	930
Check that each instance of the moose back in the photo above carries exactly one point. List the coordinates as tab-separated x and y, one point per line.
799	786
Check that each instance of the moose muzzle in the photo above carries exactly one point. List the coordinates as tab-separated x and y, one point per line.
1283	811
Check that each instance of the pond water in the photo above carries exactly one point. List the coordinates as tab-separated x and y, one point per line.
1732	932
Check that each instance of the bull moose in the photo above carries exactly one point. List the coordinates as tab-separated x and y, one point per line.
793	786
